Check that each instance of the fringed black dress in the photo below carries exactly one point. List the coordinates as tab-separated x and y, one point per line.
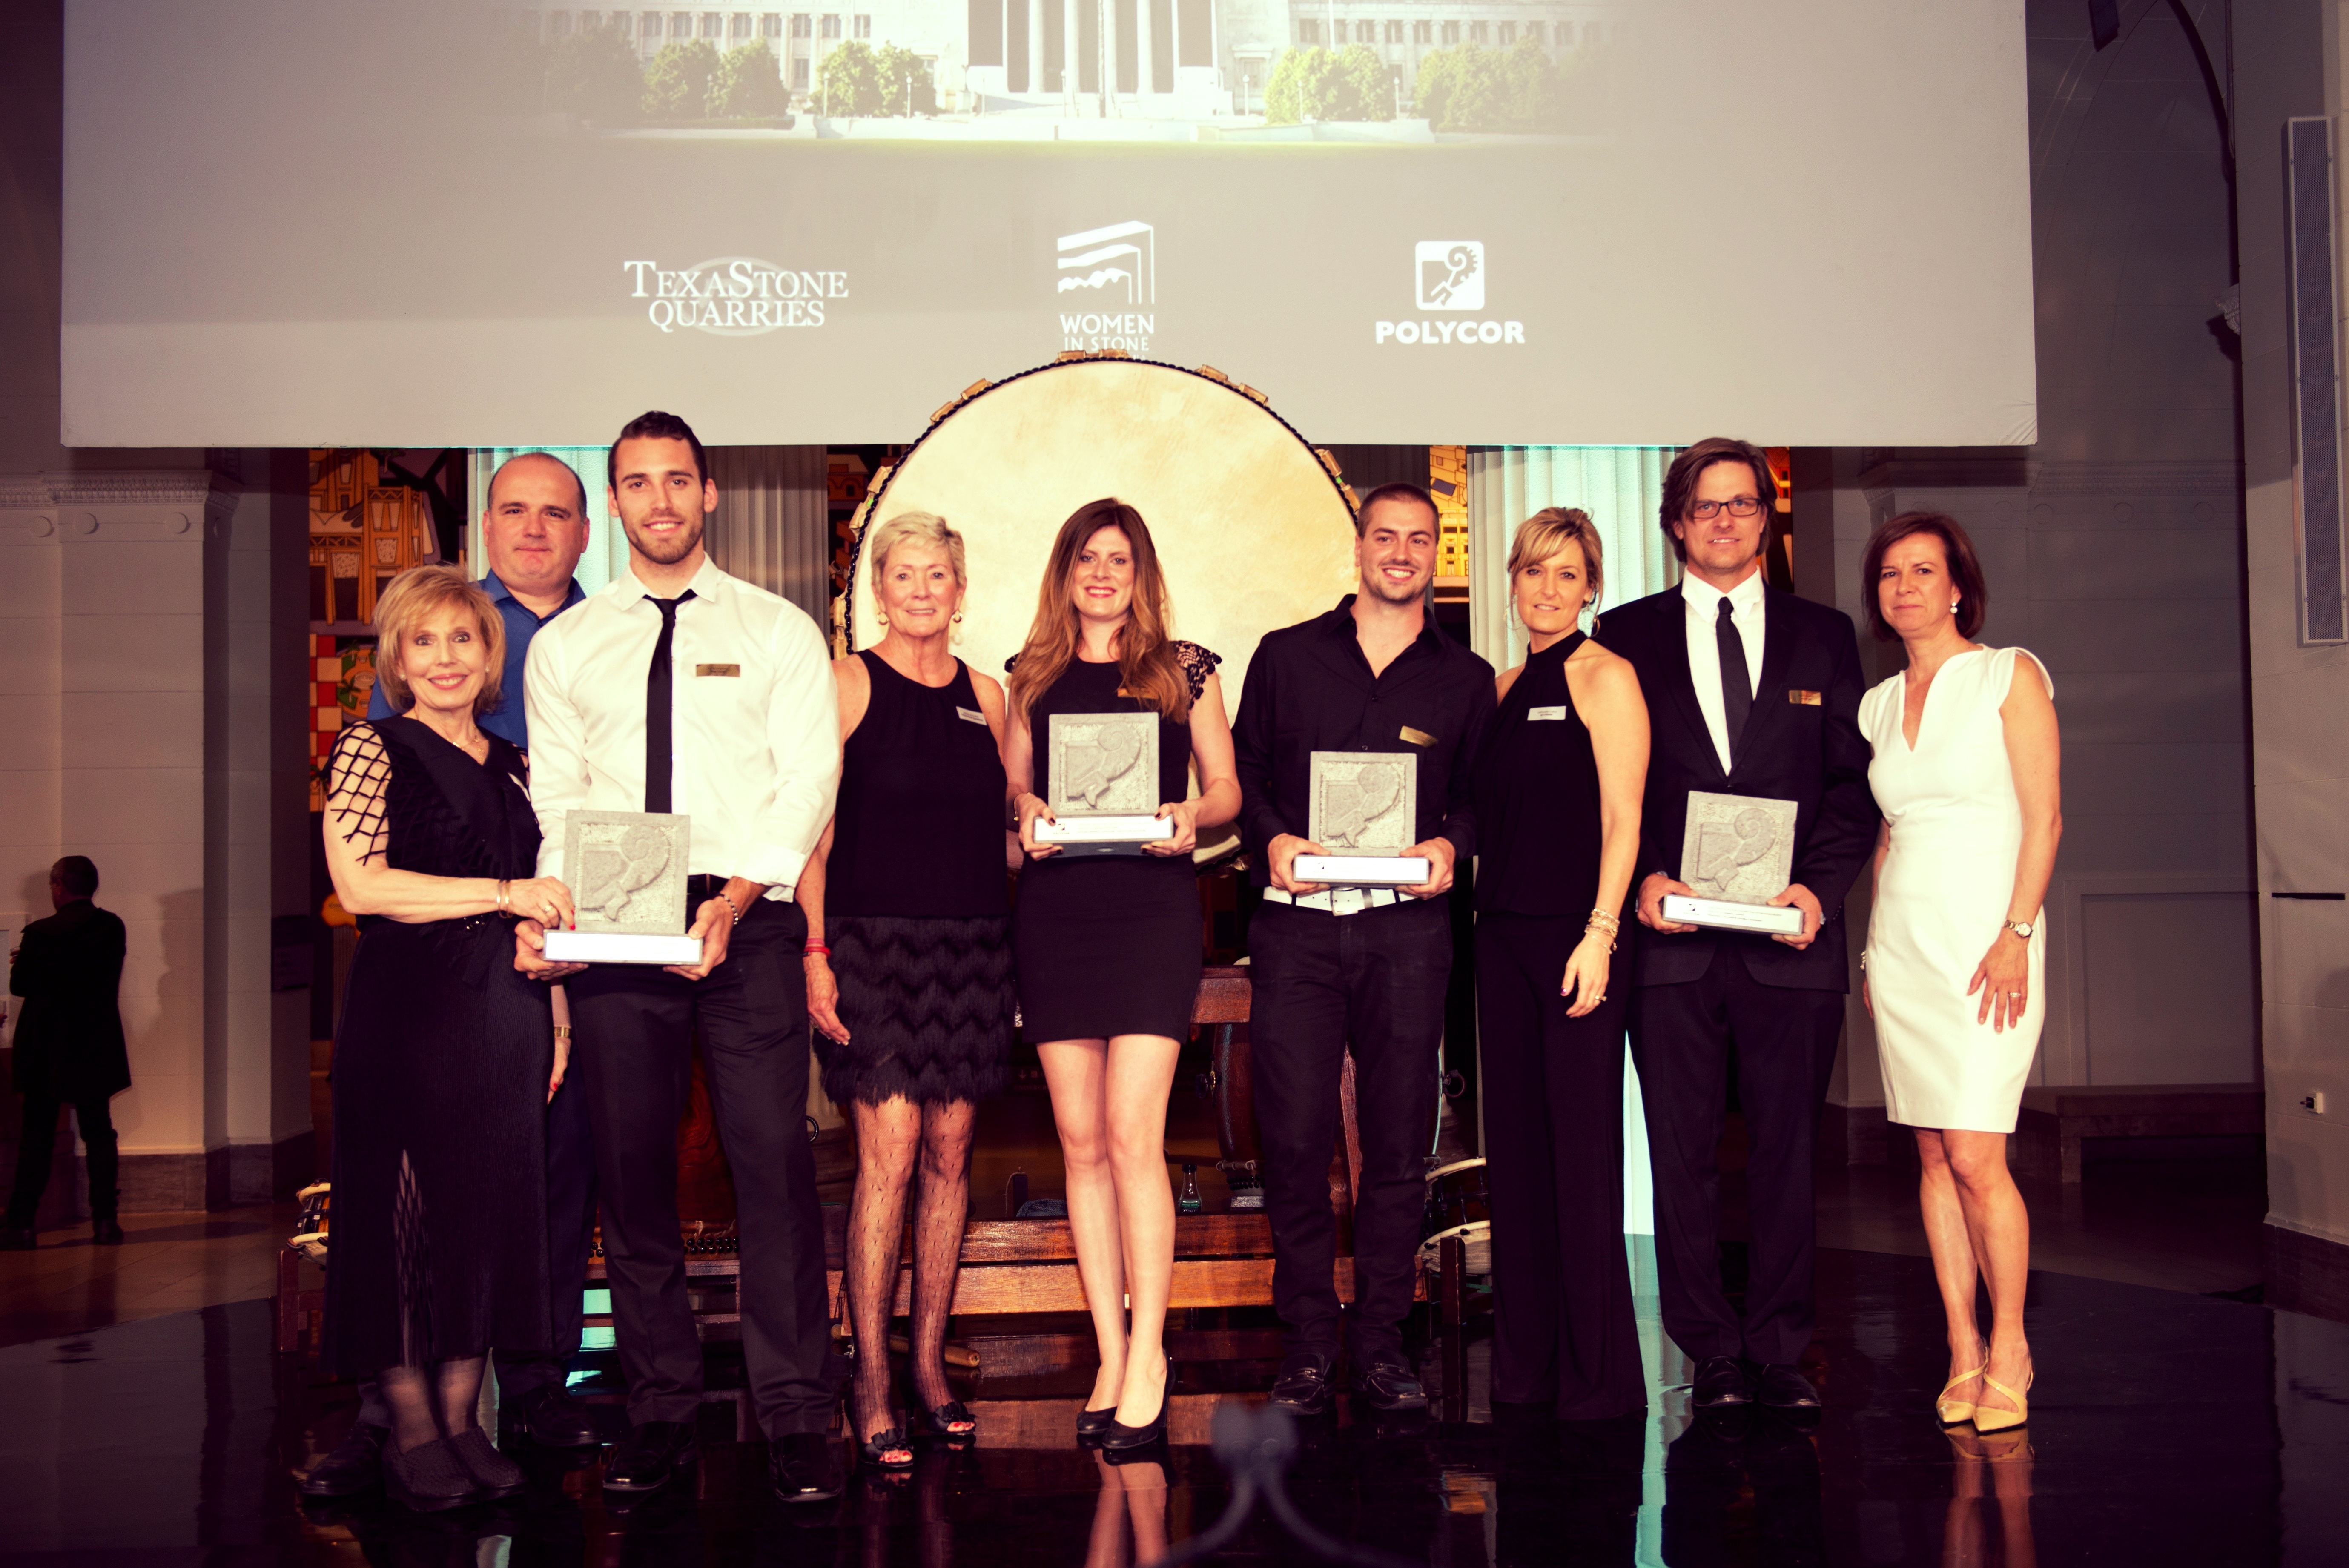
437	1244
915	908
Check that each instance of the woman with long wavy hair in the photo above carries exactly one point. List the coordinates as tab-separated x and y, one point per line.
1107	947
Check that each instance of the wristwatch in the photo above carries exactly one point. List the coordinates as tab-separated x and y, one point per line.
2022	928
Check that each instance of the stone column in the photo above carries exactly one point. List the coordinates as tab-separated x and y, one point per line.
1142	38
1072	35
1035	46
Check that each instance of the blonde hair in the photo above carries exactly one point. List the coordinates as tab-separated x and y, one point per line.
414	596
1551	530
1145	655
920	527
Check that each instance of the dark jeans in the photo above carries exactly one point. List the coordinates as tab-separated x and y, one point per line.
570	1236
39	1148
633	1056
1370	983
1786	1040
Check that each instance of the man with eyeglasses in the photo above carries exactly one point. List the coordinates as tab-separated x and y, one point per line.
1750	692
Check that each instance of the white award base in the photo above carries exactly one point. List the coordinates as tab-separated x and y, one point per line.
1106	834
1361	871
1722	914
621	947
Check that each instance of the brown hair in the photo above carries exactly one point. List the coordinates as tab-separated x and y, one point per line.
656	425
1680	483
415	594
1401	489
1145	655
1551	530
1957	549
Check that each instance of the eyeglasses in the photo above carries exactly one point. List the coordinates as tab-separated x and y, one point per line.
1739	505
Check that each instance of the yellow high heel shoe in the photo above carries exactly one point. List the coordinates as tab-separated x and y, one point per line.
1957	1412
1987	1420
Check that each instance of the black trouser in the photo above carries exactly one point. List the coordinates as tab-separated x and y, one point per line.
570	1236
1563	1330
40	1146
632	1053
1786	1042
1325	985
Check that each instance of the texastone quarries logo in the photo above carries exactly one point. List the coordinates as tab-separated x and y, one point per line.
732	296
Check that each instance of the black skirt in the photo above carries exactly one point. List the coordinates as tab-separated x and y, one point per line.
927	1005
1107	946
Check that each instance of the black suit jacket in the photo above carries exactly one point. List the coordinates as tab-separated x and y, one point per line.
1792	749
69	1038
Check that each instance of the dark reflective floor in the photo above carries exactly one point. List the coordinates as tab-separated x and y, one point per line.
2166	1428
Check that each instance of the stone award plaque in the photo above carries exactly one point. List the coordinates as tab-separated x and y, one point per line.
1104	784
1738	853
1364	813
628	876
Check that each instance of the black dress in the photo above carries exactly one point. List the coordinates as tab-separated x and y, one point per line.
1563	1331
1110	944
913	900
437	1244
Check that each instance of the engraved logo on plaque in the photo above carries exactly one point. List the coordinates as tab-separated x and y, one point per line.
1364	801
1105	763
627	870
1737	847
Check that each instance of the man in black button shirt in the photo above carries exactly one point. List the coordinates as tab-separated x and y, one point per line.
1343	969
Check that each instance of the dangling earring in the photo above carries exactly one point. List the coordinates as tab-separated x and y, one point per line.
957	617
1953	607
882	615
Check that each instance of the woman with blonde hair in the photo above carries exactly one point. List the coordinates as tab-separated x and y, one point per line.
445	1058
909	958
1108	946
1559	784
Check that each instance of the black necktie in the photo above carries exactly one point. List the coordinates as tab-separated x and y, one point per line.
659	689
1736	685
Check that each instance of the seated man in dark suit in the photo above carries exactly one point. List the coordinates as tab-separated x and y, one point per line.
70	1048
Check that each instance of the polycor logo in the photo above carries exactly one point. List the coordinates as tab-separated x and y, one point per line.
1448	275
733	297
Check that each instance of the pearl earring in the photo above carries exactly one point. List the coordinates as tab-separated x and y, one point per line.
1953	607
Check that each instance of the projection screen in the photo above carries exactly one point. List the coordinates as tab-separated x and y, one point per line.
423	222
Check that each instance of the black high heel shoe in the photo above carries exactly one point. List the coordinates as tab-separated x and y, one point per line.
1122	1438
887	1442
1093	1426
942	1421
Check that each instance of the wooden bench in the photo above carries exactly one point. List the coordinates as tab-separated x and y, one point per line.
2054	1120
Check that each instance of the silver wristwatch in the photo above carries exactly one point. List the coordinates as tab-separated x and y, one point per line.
2022	928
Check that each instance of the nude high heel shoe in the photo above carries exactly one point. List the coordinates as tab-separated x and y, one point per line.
1957	1412
1987	1420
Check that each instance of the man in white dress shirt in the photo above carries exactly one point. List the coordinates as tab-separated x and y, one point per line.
1750	692
681	690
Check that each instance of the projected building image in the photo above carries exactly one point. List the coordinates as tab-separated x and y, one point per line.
1149	69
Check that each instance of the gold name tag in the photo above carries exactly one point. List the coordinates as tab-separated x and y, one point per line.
717	669
1804	698
1417	736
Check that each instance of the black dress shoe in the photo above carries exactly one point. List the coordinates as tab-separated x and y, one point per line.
648	1456
356	1465
1093	1426
1720	1380
428	1478
1783	1388
803	1467
494	1475
549	1417
1388	1386
106	1233
1303	1386
16	1239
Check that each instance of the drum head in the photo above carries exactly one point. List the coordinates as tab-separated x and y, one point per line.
1253	532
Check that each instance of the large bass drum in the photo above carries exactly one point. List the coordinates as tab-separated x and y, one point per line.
1255	530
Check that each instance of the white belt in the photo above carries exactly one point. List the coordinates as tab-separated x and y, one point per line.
1339	900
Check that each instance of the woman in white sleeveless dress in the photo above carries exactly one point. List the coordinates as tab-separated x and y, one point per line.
1966	775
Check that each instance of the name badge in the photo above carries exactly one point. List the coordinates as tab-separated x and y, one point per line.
967	717
1804	698
1417	736
1539	714
717	669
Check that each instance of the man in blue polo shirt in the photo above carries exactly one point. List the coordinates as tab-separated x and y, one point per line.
534	532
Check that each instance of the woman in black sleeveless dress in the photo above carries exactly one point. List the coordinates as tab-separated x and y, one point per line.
445	1058
908	958
1557	799
1109	946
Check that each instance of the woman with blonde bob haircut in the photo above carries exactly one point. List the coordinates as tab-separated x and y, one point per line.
445	1058
909	959
1559	784
1108	946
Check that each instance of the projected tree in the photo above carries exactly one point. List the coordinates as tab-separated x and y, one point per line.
677	84
748	85
858	81
1472	88
1328	83
595	75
